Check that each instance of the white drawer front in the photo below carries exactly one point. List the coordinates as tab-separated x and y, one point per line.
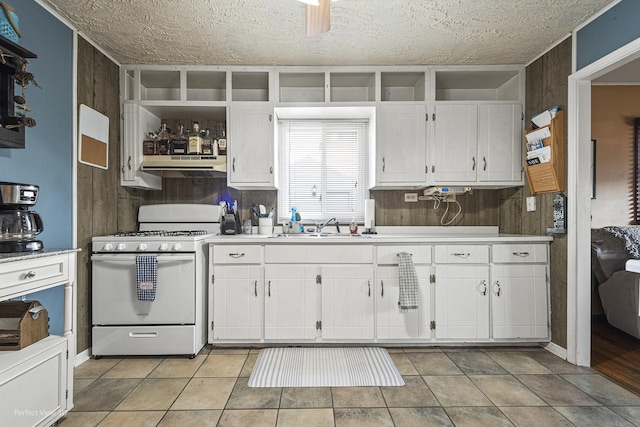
462	254
388	255
16	276
237	254
520	253
144	340
319	254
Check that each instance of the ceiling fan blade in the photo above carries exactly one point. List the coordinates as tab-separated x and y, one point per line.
318	18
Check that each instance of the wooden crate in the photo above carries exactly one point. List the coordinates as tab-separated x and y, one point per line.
548	177
18	328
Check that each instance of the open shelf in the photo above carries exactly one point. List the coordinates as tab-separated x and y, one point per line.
352	87
250	86
160	85
403	86
206	86
469	85
302	87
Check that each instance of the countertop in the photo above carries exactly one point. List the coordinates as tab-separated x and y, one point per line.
420	234
21	256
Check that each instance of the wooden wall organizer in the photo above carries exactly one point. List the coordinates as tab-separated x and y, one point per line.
550	176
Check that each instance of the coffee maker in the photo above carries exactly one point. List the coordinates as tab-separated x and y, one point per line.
18	225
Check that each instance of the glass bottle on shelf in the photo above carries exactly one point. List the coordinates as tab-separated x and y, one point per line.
222	143
150	145
180	142
195	139
207	143
163	139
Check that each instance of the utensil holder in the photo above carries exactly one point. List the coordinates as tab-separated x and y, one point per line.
265	226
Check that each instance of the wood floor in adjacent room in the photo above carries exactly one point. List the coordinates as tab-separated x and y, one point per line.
615	354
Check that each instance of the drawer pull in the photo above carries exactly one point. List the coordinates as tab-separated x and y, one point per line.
462	254
522	254
482	287
382	287
369	283
143	335
236	255
269	288
255	288
30	275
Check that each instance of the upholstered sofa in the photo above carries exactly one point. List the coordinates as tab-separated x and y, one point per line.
611	247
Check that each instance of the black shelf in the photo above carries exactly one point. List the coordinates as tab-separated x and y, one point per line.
10	138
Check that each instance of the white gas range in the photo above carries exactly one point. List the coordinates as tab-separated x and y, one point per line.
132	317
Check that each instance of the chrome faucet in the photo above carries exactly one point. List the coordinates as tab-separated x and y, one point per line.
327	222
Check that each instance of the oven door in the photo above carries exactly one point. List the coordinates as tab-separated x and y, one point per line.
114	297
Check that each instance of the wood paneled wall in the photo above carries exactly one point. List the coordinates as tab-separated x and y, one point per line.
547	85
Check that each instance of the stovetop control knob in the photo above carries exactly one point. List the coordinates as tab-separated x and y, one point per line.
164	246
177	246
142	247
108	247
121	247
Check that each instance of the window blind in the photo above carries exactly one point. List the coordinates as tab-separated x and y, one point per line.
323	169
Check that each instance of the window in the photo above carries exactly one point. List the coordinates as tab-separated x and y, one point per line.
323	169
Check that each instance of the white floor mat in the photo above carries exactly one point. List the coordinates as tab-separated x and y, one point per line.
324	367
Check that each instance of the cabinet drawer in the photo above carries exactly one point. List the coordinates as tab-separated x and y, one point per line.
237	254
319	254
462	254
30	274
388	255
519	253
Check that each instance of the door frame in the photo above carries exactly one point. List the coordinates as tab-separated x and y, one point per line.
579	199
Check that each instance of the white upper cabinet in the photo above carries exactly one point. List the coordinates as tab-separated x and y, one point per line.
250	154
478	126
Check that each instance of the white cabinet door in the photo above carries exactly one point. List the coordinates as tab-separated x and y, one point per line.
238	299
347	302
401	145
137	121
455	142
391	322
462	302
292	298
500	142
519	301
250	157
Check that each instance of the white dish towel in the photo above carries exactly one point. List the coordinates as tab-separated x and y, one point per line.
409	288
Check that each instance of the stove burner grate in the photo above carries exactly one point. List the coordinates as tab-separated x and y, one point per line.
160	233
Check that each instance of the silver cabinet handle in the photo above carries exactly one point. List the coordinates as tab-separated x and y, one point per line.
255	288
382	286
369	283
522	254
270	117
383	164
484	159
474	163
482	287
497	284
233	165
462	254
271	170
236	255
30	275
269	288
129	163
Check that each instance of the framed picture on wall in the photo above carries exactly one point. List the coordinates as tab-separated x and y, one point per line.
593	168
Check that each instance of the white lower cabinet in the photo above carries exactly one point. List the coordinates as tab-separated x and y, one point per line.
391	322
347	302
291	302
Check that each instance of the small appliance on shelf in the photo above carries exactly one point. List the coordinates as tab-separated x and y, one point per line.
18	225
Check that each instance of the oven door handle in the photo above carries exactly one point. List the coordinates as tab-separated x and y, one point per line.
132	257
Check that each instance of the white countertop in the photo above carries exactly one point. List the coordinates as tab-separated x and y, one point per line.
421	234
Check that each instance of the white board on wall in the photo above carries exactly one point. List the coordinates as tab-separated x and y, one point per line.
93	138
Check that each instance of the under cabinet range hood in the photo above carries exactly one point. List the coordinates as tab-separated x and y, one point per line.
189	166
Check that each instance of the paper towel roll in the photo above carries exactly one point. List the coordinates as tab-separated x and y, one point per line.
369	213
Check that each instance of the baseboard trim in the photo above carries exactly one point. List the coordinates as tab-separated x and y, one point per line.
82	357
557	350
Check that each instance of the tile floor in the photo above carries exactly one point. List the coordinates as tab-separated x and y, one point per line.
444	387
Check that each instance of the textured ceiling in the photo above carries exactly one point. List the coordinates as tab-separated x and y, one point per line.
363	32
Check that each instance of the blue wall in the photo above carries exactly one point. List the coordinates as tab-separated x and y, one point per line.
47	160
608	32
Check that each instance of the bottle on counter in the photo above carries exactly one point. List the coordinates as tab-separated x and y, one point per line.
195	139
179	143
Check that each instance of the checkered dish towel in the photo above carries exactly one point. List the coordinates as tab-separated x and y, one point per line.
146	277
408	300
